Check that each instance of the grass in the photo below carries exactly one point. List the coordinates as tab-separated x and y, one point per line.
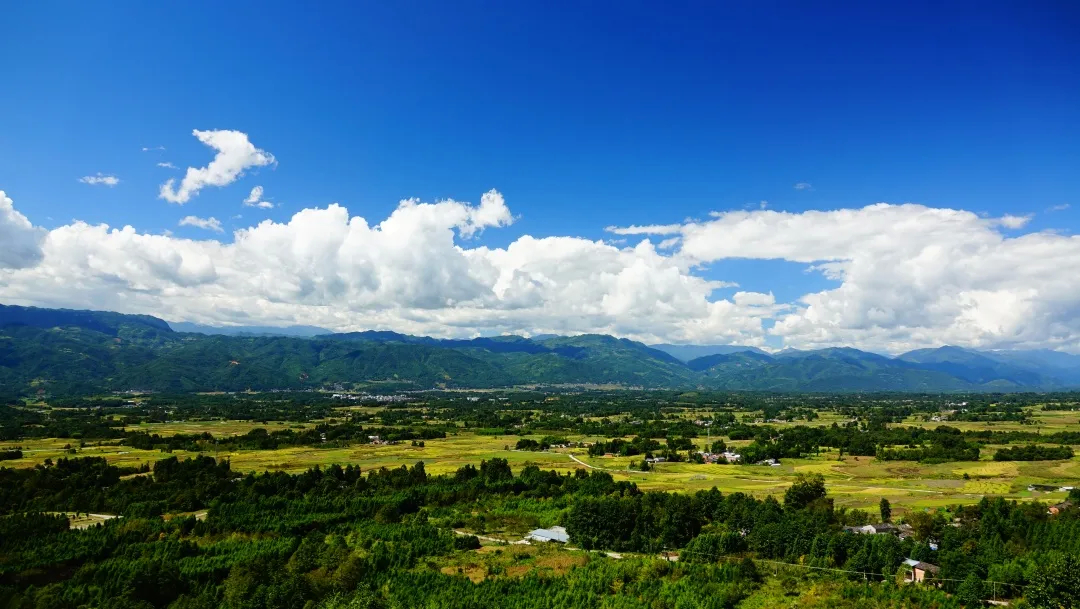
498	560
82	520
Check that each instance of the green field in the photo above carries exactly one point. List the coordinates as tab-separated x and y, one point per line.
852	481
1045	421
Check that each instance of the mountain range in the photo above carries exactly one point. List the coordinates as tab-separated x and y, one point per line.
61	351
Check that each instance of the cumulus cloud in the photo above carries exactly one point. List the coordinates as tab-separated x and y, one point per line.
20	241
167	165
204	223
255	199
910	276
414	271
235	154
905	276
100	180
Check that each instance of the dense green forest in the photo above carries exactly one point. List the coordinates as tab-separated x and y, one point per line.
60	352
342	537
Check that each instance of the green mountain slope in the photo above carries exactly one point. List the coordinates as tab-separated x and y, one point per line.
69	352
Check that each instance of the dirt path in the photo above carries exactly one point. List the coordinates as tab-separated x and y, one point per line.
606	469
481	537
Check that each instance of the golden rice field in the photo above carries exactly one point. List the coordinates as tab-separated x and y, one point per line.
853	481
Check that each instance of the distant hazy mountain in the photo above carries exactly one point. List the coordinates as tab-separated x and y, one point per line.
688	352
185	326
1065	366
835	369
67	352
544	336
979	368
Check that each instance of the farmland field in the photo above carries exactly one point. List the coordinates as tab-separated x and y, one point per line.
852	481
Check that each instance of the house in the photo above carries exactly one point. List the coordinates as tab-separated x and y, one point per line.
919	571
1057	508
655	459
880	528
731	457
556	534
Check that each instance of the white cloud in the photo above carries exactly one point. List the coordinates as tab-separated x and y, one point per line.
254	199
803	186
1014	222
407	272
651	229
167	165
204	223
905	276
100	179
909	275
153	149
20	242
235	154
1061	207
256	194
763	204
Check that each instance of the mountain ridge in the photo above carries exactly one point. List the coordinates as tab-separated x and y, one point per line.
69	351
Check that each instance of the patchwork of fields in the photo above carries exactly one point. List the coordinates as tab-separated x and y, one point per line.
852	481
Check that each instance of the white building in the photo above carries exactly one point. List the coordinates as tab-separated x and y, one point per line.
556	534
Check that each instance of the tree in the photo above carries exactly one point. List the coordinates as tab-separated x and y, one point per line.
805	491
1055	585
921	523
971	592
886	510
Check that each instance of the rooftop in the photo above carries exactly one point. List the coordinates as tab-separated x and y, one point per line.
558	534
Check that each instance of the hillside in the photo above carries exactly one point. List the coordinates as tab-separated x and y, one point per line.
837	369
69	352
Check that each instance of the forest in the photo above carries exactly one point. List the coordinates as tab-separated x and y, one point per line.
194	531
341	537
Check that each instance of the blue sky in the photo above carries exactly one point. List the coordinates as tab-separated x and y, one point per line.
582	116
